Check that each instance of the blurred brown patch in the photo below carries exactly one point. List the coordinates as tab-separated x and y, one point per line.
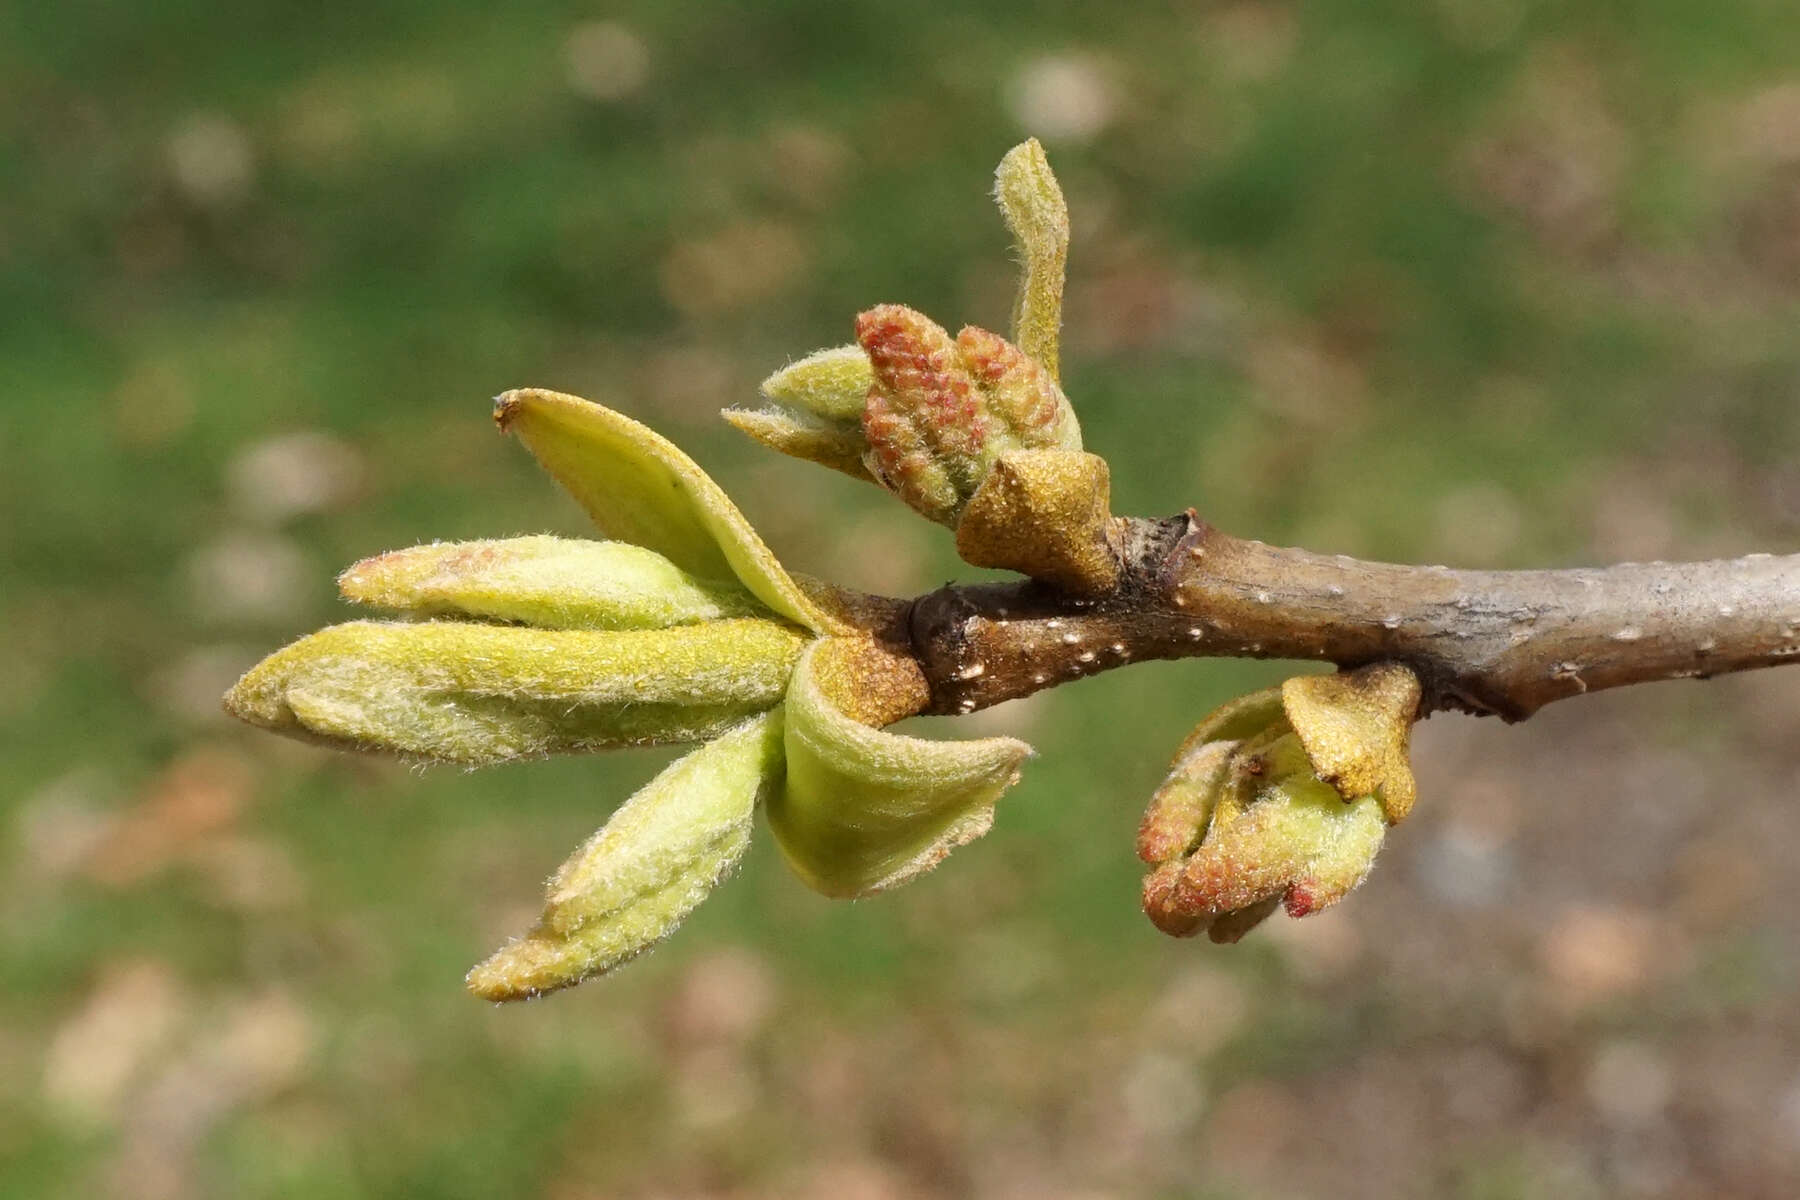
741	264
1592	953
99	1051
1554	155
199	795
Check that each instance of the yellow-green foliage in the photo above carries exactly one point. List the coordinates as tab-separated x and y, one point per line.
688	813
553	583
637	879
638	487
473	693
832	384
863	810
815	409
839	445
1032	202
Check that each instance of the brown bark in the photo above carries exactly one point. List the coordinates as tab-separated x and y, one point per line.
1498	642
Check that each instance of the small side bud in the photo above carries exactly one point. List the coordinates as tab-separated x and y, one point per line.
1031	202
815	409
1297	841
1279	798
636	880
549	582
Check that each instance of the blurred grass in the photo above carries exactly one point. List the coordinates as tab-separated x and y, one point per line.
1490	281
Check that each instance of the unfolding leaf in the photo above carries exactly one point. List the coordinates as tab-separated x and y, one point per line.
636	880
1236	719
545	961
553	583
693	812
839	445
458	691
862	810
1032	203
832	384
638	487
1297	840
1182	806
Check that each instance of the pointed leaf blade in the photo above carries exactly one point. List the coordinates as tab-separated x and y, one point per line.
638	487
633	883
549	582
455	691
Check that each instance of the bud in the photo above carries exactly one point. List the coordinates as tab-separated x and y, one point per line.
942	412
836	444
862	810
924	416
638	878
1031	202
552	583
829	384
464	692
815	410
1280	797
638	487
1295	839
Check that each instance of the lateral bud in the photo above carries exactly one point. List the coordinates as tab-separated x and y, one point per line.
1279	799
814	410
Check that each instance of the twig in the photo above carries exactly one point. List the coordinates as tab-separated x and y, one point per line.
1504	643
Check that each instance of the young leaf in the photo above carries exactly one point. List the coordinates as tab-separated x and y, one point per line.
1031	201
553	583
638	487
862	810
839	445
832	384
697	805
634	882
457	691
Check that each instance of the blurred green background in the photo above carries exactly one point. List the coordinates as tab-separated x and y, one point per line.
1491	282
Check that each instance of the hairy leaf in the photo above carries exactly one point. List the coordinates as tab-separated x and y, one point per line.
862	810
638	487
463	692
553	583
